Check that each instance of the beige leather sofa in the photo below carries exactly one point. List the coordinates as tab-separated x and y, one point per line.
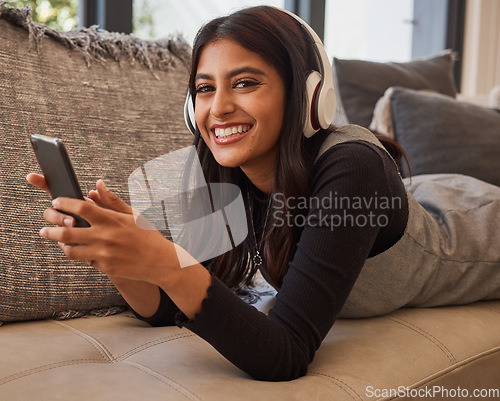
125	111
411	354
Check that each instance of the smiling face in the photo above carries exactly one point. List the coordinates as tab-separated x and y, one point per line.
239	109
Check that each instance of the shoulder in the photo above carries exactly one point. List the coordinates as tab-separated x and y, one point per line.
340	153
347	133
352	157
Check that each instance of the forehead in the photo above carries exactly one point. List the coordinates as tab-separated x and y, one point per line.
226	54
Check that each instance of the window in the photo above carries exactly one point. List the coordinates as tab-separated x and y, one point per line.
377	30
58	14
154	19
369	30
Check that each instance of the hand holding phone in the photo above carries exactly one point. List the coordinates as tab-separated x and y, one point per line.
57	170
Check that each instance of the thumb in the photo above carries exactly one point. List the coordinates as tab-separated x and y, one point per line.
110	200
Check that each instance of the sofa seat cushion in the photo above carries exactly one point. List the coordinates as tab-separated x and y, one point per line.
120	357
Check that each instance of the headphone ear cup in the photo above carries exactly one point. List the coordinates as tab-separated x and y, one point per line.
325	105
189	114
311	124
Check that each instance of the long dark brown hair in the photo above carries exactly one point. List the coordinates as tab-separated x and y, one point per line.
277	38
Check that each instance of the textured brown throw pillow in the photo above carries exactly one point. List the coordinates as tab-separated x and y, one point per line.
116	102
359	84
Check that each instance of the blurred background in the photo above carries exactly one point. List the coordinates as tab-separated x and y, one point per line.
375	30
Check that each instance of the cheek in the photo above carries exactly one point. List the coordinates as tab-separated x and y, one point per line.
274	119
200	116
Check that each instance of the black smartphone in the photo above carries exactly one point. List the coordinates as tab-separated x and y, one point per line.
57	169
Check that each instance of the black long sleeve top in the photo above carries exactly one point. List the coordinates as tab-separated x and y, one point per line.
357	221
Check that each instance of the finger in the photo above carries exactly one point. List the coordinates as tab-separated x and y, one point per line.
65	235
62	246
77	252
38	180
53	216
110	200
86	210
89	200
94	196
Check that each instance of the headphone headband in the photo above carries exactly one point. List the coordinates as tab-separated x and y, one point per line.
321	98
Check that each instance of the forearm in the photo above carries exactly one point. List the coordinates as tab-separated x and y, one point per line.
142	297
189	288
185	286
265	348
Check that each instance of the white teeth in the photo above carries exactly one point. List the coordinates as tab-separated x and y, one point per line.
232	131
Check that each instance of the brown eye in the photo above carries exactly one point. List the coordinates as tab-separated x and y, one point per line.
204	88
245	83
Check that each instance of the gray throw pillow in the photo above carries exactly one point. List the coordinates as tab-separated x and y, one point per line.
113	113
359	84
443	135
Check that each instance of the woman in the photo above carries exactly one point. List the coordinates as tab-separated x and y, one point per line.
331	225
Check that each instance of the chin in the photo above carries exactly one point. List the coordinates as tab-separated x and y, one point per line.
225	159
227	163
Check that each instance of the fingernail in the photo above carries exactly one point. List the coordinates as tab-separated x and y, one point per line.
55	202
68	221
43	232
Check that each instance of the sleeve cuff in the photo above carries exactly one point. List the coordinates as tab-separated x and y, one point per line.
181	320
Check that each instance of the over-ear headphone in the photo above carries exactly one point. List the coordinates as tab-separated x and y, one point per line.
321	98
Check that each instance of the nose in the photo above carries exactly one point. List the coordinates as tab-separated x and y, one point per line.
222	103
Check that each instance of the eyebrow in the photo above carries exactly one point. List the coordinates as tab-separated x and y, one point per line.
232	73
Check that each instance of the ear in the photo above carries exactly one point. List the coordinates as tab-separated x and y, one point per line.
311	125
